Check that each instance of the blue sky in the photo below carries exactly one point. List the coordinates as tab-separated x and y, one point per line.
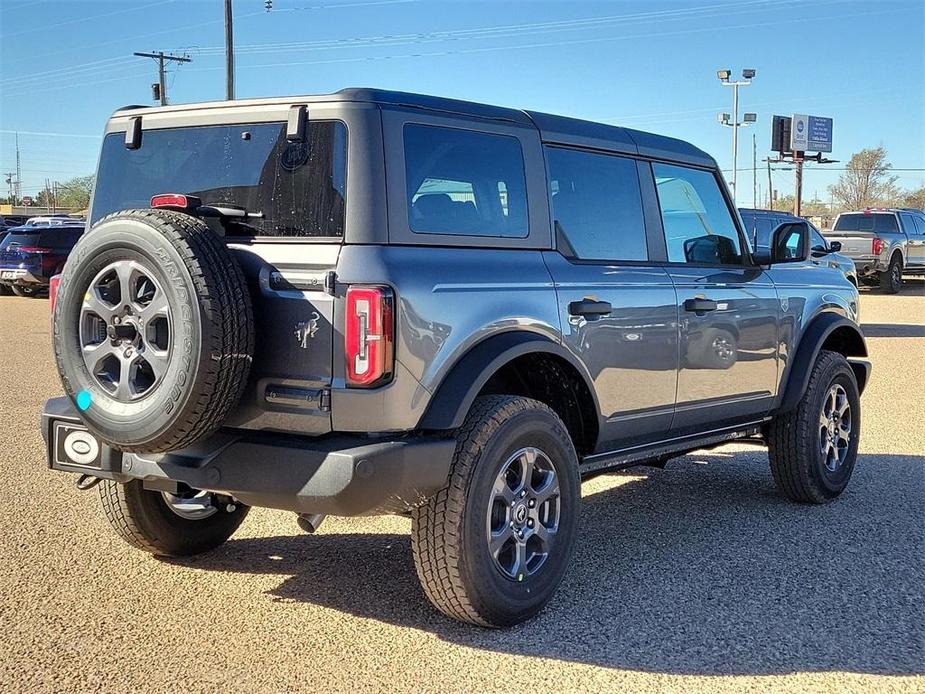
66	65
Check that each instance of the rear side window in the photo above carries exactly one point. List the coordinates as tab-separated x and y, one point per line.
293	188
920	226
867	222
699	227
597	205
464	182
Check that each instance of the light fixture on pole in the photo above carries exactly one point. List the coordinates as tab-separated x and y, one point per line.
725	77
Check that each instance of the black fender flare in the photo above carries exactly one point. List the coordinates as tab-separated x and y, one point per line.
454	396
815	335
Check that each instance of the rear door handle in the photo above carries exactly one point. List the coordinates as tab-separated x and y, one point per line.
699	305
587	307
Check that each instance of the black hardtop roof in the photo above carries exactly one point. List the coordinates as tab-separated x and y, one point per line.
758	211
553	129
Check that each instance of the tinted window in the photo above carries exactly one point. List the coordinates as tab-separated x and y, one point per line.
920	226
867	222
464	182
59	238
597	205
908	224
297	188
698	225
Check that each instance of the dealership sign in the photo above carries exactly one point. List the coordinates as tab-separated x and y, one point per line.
810	133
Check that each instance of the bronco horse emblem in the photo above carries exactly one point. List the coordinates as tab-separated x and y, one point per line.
305	330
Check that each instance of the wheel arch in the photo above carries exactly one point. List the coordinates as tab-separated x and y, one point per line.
500	364
832	332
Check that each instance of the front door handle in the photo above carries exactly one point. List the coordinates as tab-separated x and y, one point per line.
699	305
588	307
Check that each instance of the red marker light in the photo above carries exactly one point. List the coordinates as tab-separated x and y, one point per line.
171	200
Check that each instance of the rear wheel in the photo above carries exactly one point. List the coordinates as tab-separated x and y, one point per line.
5	290
813	448
492	546
891	281
169	525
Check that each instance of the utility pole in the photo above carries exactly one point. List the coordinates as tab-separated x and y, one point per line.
9	181
162	58
754	171
724	77
770	201
229	52
18	189
798	185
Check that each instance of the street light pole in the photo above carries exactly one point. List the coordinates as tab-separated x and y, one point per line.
229	52
724	77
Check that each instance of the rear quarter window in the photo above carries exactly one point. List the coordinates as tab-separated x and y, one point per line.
464	182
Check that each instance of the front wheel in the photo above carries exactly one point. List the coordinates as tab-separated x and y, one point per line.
169	525
491	547
813	448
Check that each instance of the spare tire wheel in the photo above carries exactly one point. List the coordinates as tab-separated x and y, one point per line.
153	330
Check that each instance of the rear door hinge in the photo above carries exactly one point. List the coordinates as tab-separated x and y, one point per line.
325	400
330	280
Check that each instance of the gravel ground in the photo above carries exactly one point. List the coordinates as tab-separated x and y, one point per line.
696	577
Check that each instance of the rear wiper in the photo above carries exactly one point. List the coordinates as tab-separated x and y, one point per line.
230	215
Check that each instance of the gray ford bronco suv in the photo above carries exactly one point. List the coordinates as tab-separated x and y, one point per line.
373	302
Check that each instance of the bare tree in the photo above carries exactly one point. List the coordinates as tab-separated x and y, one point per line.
915	198
866	181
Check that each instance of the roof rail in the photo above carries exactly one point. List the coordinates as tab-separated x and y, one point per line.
131	107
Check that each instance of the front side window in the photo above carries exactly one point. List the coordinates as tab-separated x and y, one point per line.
596	204
699	227
464	182
291	188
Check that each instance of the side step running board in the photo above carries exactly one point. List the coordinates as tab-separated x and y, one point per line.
627	457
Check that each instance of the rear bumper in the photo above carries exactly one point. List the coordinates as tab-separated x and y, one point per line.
12	275
338	475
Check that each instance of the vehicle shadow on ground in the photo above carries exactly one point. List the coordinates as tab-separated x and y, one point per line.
892	330
701	568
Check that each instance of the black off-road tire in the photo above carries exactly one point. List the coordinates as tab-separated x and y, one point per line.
5	290
891	281
794	451
143	519
448	534
211	330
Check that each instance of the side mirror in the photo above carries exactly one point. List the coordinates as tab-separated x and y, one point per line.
762	256
789	242
834	246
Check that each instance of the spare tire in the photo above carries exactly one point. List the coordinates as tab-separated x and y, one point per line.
153	330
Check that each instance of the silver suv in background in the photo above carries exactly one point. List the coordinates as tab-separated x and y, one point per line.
885	244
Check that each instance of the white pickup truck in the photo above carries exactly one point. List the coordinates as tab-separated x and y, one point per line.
885	244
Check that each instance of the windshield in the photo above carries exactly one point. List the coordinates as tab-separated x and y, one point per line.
883	221
295	188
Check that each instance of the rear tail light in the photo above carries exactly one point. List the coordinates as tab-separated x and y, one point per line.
175	201
34	249
368	336
876	245
53	291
